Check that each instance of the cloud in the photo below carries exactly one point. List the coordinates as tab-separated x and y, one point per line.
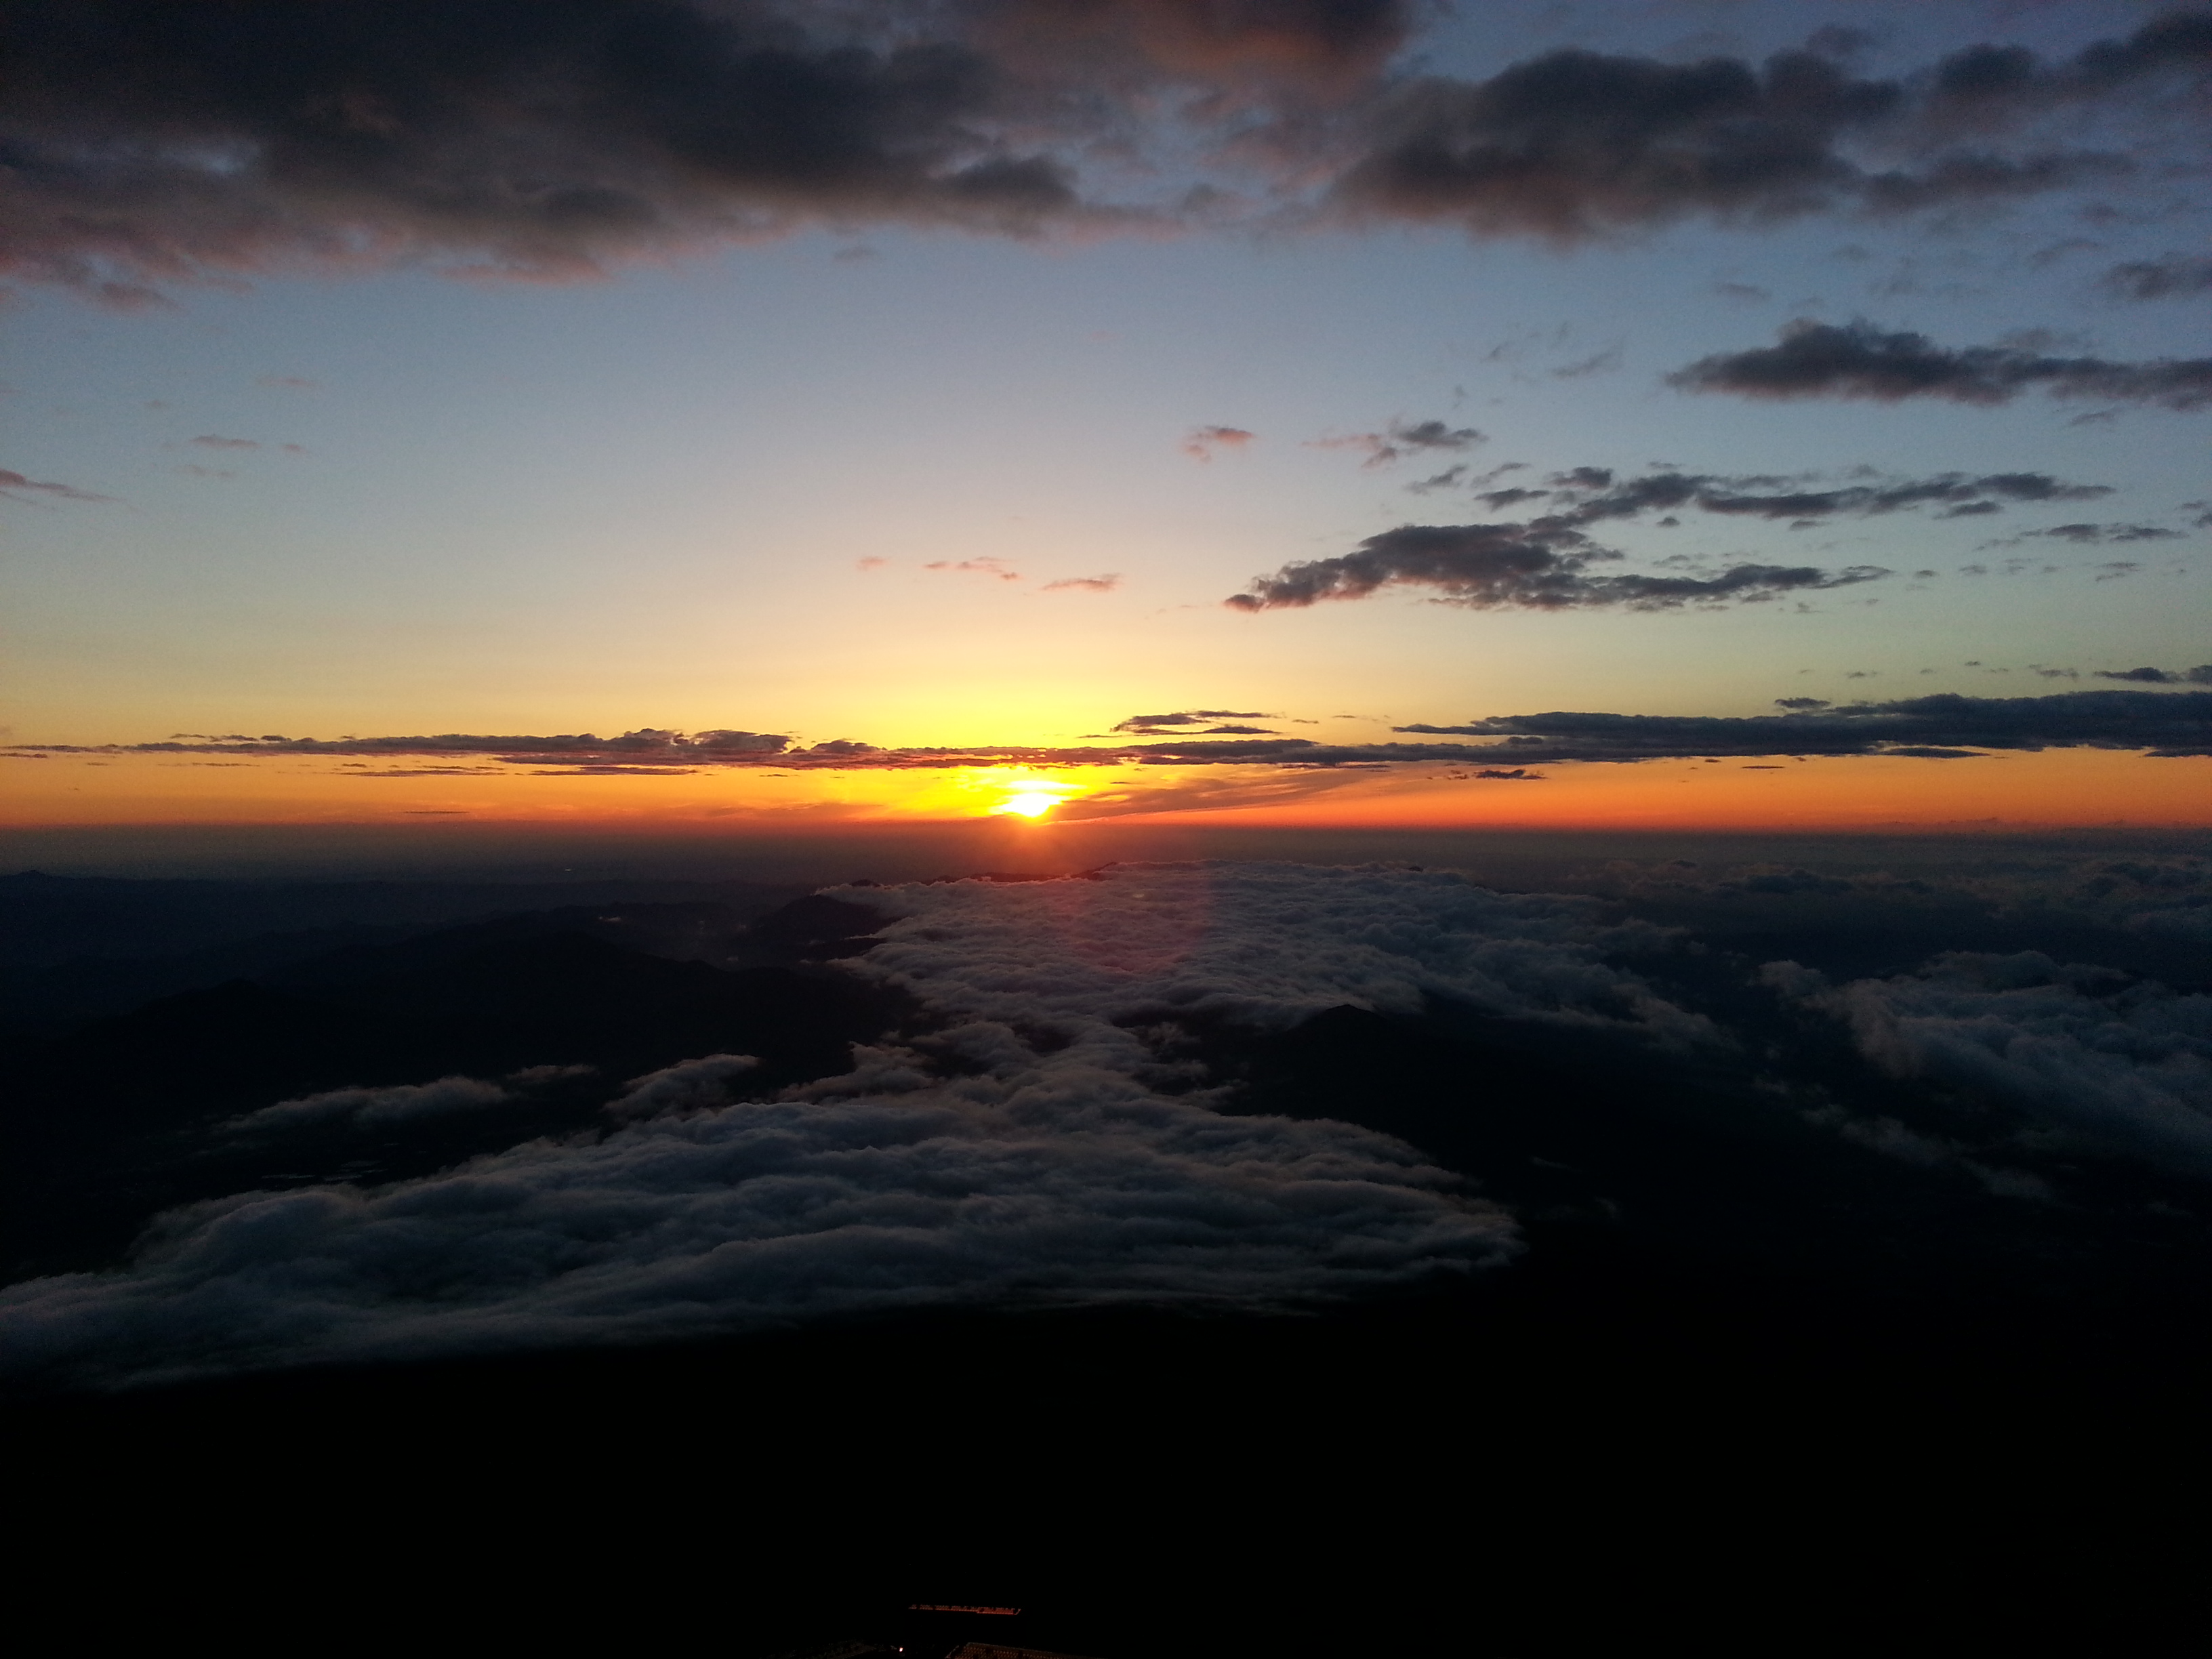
2092	534
1859	360
980	567
1193	717
11	483
1321	45
1533	566
647	745
1105	584
2161	278
159	142
1584	496
1598	362
2093	1057
1203	443
167	140
288	383
694	1085
209	441
2165	723
1575	145
1042	1145
1756	496
2200	675
370	1106
1403	438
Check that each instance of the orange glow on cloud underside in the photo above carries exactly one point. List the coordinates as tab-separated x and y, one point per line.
2057	786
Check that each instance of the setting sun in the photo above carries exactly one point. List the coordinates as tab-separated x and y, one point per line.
1028	805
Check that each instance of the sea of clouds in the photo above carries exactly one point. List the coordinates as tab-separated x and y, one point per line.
1042	1136
1041	1145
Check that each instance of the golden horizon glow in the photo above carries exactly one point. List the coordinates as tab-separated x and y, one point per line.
2077	787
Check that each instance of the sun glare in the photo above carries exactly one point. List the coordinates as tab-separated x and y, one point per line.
1028	805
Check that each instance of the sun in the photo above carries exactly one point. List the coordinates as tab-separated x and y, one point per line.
1028	805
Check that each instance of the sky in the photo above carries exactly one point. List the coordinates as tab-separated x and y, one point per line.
1296	412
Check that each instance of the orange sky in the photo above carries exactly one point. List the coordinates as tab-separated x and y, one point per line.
2057	787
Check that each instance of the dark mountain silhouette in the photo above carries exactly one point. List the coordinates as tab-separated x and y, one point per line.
78	948
116	1119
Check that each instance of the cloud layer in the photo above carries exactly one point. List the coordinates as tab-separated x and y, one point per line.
2169	724
1945	726
1039	1142
155	142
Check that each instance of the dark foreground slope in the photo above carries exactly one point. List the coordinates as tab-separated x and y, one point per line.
1550	1467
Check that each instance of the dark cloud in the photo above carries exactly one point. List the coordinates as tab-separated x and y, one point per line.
1193	717
11	483
1403	438
1323	44
1105	584
2200	675
647	745
1756	497
1590	494
1544	566
156	142
152	140
2161	278
2164	723
661	753
2092	535
1857	360
1578	144
2170	724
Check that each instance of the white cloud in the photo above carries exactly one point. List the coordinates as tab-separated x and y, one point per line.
1041	1147
1266	944
2094	1058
